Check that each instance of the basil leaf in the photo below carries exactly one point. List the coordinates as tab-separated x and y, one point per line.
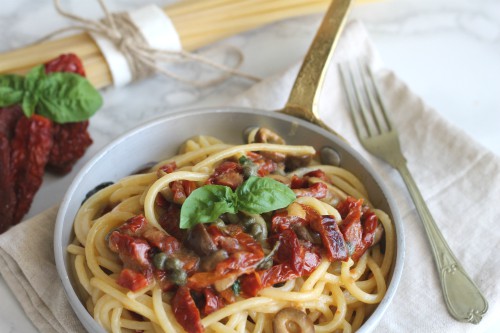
207	203
9	96
33	77
29	103
259	195
67	97
31	84
11	89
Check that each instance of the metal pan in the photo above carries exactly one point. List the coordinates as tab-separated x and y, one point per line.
297	123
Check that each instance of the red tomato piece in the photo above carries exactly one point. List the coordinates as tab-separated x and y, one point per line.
169	217
65	63
331	237
228	174
181	189
132	280
169	167
282	221
358	226
318	174
133	226
290	251
71	141
213	302
186	312
316	190
9	117
133	251
30	149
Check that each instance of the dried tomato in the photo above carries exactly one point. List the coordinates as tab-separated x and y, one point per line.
186	312
316	190
29	145
213	301
8	120
244	255
30	152
71	140
228	174
358	226
65	63
132	280
332	238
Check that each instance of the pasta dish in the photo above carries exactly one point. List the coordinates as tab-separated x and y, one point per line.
258	237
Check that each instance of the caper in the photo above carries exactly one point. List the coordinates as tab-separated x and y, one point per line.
159	260
173	264
178	277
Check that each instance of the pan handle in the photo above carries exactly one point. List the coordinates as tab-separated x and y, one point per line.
303	100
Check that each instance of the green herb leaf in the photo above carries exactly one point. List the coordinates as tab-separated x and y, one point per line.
259	195
11	89
67	97
207	203
29	103
62	97
33	77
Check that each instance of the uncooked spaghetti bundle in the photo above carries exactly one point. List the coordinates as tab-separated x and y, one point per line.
126	46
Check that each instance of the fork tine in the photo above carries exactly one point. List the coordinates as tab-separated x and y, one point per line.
376	109
380	103
348	88
357	106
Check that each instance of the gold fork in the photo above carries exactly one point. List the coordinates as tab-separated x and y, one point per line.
378	136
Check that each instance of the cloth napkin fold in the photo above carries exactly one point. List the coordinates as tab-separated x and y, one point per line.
459	180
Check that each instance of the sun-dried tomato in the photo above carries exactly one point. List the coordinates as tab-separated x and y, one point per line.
186	312
71	140
358	226
8	118
228	174
28	145
30	152
332	238
213	301
65	63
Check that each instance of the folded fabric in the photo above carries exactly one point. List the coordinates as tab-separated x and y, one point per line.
459	180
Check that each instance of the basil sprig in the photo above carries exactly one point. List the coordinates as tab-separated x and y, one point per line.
61	96
257	195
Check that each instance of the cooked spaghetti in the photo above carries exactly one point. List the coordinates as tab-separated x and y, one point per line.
259	237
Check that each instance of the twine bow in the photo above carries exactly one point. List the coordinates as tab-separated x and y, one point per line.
143	60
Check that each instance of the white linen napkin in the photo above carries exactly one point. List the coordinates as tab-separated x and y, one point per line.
459	180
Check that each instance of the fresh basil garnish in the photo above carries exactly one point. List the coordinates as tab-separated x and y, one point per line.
257	195
62	97
207	203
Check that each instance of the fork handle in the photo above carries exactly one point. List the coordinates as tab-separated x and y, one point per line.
464	300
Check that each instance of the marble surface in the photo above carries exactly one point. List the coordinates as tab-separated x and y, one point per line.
447	51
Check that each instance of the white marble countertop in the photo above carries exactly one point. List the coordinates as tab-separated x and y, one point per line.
448	52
